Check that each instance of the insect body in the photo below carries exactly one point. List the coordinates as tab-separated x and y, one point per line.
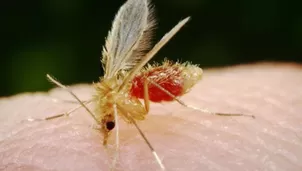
125	81
154	80
125	53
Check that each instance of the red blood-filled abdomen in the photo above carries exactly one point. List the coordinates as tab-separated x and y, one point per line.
167	77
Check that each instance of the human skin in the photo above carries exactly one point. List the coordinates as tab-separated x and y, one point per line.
186	140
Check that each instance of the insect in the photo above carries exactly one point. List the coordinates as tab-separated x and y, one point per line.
127	50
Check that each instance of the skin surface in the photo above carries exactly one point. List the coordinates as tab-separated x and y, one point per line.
186	140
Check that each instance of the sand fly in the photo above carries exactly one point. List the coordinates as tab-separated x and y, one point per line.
126	78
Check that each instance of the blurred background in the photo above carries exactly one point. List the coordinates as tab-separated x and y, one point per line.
64	38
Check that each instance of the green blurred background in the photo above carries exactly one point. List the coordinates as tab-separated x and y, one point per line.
64	37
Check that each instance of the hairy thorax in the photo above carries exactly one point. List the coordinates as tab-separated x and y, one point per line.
108	94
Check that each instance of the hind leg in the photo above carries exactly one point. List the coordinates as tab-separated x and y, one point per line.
146	95
196	108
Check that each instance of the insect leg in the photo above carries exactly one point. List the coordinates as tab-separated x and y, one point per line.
59	115
70	92
196	108
146	95
149	144
56	100
117	144
131	119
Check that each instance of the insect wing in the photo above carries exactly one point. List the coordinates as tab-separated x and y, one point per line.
153	51
129	38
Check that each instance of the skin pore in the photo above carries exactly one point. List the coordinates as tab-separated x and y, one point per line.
185	140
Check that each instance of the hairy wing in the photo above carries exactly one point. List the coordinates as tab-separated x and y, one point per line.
129	38
153	51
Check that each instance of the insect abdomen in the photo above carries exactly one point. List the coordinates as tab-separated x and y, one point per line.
175	78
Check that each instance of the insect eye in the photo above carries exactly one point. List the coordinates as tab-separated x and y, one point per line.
110	125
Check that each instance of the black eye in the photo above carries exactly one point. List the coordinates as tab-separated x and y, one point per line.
110	125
